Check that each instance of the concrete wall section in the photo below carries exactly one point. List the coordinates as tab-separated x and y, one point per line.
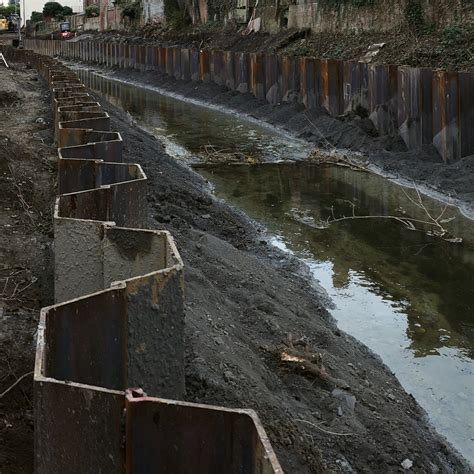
381	15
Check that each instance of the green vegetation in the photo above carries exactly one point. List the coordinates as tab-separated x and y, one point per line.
132	11
355	3
414	16
92	11
52	9
56	10
36	17
175	16
454	44
7	10
454	35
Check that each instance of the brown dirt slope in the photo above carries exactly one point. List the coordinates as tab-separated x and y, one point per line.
26	194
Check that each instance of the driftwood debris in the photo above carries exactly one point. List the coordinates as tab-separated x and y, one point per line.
308	362
214	156
321	157
430	224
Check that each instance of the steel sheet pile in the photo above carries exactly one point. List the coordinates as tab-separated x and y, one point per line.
114	340
424	106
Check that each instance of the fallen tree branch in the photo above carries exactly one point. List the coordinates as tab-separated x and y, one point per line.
26	207
15	292
430	225
211	155
307	361
303	362
336	159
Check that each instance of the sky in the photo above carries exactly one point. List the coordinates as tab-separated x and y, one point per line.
37	6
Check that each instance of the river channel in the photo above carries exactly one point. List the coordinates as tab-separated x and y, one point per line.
407	295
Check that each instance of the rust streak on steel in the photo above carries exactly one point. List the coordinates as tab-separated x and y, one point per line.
118	320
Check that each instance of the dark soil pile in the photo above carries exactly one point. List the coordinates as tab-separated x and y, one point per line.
8	98
27	174
245	303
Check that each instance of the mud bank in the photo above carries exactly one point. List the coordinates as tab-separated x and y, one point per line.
27	176
244	303
352	134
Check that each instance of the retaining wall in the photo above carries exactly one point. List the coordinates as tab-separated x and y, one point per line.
424	106
118	321
346	16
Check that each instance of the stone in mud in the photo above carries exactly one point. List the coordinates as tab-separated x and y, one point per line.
347	400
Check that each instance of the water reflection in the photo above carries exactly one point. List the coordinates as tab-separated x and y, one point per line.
408	296
192	127
432	280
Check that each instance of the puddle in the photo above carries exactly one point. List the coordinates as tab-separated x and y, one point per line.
407	295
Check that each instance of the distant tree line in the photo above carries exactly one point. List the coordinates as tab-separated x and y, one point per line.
7	10
51	10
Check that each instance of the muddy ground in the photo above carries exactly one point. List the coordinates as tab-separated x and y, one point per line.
245	305
354	134
27	175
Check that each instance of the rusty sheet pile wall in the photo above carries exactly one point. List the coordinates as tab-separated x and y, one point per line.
118	321
425	106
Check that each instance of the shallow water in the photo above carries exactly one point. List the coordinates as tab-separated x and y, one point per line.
186	128
407	295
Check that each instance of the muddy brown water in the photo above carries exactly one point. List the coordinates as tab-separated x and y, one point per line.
407	295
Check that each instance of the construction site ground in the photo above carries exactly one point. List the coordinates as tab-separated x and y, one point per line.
27	176
248	307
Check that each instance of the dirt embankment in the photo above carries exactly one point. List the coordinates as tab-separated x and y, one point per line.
244	304
27	174
447	48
